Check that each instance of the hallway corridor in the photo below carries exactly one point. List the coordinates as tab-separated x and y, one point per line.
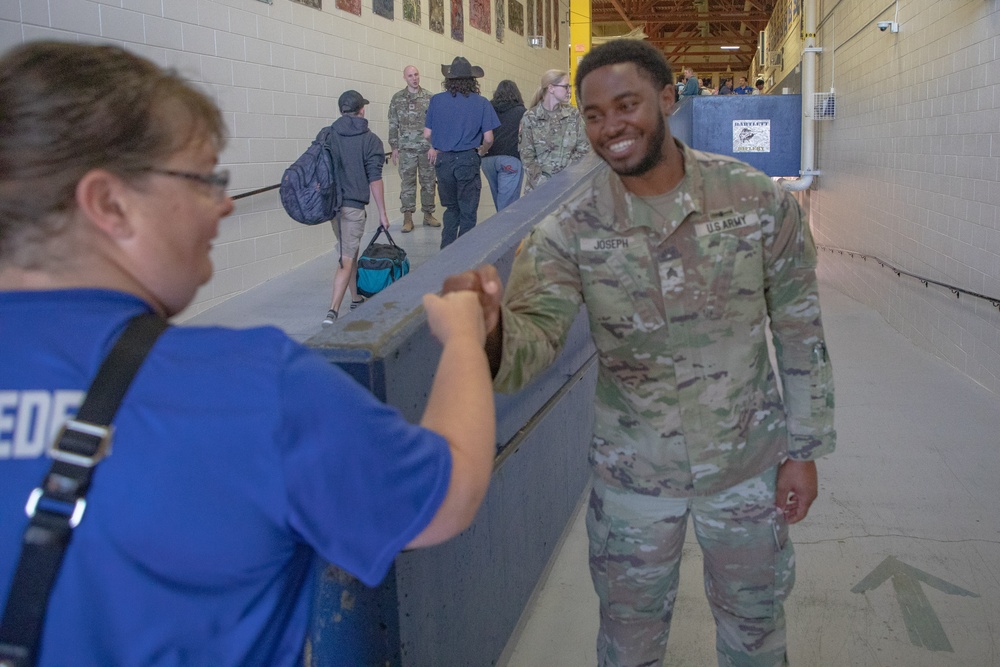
914	479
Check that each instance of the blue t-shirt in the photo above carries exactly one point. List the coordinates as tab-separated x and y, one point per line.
238	457
457	123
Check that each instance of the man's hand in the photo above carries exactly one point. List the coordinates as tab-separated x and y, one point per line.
797	488
383	219
432	156
485	282
395	156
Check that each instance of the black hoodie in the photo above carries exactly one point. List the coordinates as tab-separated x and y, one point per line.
505	136
362	154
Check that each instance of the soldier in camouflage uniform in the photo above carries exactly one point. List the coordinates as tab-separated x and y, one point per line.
552	135
407	111
681	257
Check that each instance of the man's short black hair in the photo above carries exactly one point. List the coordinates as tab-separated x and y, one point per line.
650	61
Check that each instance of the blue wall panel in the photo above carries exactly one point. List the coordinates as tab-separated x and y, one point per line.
735	125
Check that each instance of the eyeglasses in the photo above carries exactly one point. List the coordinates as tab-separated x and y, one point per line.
567	86
218	180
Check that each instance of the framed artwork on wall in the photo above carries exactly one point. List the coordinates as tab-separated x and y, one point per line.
539	28
531	18
547	15
352	6
315	4
437	16
500	20
457	21
515	11
411	11
555	23
479	15
384	8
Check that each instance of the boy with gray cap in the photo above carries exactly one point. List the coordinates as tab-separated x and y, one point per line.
362	155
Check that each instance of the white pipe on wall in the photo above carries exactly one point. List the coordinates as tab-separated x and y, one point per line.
809	57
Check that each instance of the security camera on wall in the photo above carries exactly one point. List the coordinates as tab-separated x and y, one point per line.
891	26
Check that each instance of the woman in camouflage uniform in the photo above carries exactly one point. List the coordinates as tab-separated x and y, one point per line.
552	134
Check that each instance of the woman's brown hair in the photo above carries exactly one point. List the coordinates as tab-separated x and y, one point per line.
66	109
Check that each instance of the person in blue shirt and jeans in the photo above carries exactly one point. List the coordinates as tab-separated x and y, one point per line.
459	126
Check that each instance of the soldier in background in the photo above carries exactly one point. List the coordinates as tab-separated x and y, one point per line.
681	258
551	135
407	111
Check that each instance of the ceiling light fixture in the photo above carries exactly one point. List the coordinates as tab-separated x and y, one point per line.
730	48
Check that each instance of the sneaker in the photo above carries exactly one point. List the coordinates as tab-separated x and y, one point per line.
331	317
360	300
407	222
430	220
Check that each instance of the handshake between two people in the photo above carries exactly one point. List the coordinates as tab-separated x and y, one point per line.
449	313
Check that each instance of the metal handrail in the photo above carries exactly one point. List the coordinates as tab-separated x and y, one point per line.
258	191
957	291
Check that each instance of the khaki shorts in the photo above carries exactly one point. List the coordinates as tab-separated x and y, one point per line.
349	227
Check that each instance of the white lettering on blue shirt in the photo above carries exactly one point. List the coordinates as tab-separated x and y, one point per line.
29	419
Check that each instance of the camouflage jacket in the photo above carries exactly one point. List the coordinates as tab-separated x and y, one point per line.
406	120
549	141
678	299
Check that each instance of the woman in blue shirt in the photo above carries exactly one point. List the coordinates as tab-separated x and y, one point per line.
239	455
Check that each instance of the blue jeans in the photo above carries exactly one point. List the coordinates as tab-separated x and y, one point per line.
504	174
459	187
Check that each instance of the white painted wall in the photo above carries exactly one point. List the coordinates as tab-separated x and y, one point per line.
910	169
276	71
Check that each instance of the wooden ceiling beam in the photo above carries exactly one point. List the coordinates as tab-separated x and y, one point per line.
621	12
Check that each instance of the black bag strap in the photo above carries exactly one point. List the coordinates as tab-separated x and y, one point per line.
56	507
380	231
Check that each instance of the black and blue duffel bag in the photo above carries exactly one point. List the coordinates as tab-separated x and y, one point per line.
380	265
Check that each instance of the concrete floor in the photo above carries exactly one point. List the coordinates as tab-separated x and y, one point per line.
913	481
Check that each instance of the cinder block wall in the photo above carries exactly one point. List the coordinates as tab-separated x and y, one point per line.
276	70
910	169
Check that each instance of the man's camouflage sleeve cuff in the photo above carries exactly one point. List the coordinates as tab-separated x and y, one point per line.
811	447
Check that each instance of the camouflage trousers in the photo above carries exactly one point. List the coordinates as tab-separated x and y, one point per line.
635	555
409	161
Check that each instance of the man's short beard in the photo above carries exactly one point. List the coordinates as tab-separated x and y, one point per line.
652	156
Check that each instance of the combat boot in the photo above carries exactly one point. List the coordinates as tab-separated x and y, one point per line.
430	220
407	222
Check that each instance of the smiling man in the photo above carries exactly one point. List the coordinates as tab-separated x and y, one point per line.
682	258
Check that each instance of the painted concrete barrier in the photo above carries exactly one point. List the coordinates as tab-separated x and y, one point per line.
458	603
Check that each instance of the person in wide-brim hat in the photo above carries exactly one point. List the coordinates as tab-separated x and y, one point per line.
459	126
461	69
